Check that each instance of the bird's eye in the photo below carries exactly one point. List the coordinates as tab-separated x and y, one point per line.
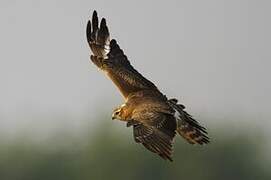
117	113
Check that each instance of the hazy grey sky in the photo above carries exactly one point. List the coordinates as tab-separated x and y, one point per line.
213	55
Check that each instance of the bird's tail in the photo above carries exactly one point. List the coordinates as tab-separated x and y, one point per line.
188	127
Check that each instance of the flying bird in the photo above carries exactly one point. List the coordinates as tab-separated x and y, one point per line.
155	118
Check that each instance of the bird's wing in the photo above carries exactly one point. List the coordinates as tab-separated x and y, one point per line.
155	131
108	56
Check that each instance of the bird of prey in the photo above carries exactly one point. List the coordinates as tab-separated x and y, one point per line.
155	118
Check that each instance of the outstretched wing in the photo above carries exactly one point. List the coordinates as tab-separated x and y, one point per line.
155	131
108	56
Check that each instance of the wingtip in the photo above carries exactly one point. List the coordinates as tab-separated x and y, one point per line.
88	31
95	21
104	27
166	157
95	13
103	22
113	43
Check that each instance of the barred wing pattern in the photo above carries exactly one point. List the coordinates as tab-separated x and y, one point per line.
156	133
108	56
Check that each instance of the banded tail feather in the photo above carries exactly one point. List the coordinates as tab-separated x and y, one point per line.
187	127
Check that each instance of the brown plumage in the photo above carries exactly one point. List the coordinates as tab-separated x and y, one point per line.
155	119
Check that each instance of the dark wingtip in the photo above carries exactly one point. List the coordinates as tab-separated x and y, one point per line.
88	31
103	22
104	28
95	20
95	13
113	43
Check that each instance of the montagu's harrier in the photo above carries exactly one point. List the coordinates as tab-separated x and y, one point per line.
154	117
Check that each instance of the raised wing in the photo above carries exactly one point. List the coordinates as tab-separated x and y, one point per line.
108	56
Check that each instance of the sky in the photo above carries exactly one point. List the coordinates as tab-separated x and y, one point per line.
214	56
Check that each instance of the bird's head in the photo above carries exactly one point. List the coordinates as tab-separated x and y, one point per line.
118	113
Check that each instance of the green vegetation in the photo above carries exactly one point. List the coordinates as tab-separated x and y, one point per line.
112	154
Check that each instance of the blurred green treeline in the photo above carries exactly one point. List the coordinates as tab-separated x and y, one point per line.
111	153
